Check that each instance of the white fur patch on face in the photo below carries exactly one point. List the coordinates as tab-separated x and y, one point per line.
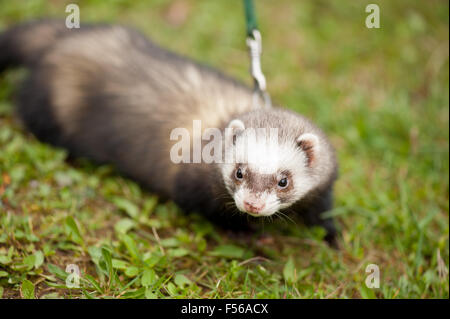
227	170
260	149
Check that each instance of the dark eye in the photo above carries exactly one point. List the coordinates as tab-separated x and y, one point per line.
239	174
283	183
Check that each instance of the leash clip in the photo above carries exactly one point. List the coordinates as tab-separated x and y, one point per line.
254	44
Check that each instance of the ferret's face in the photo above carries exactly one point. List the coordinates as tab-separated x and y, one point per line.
265	174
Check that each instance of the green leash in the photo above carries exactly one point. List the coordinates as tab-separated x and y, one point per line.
255	48
250	17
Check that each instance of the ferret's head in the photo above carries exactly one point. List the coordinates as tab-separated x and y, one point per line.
267	169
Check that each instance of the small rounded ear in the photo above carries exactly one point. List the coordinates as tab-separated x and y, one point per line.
234	128
309	143
237	125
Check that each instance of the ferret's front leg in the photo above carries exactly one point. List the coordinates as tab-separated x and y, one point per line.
312	212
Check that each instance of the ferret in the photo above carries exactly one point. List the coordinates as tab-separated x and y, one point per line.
107	93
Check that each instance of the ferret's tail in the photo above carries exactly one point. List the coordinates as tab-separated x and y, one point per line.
24	43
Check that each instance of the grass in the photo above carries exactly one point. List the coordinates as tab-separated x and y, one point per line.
382	95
